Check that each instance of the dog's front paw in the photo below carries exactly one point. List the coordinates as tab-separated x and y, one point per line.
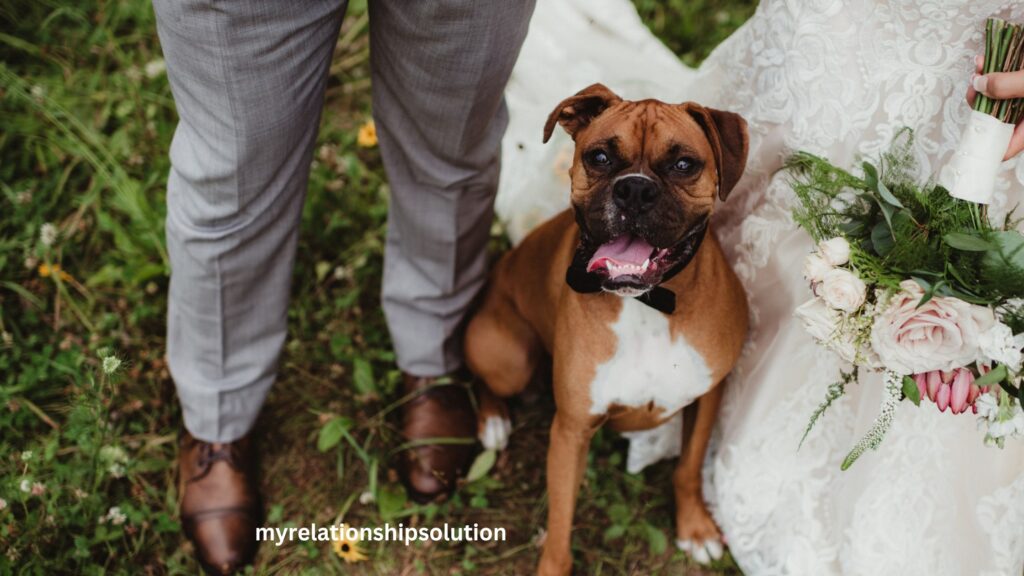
494	432
696	532
702	551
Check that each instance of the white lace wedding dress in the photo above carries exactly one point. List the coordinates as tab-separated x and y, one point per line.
837	78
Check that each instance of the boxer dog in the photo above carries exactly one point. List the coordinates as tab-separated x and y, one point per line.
630	295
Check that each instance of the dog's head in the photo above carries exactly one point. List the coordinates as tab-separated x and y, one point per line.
644	179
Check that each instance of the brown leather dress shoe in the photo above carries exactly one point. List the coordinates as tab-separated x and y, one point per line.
430	471
220	502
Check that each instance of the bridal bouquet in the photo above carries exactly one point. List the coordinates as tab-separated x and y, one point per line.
912	280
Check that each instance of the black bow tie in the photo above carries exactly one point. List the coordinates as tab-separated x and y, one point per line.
660	298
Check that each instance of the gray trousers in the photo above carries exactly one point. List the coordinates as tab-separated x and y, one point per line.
248	80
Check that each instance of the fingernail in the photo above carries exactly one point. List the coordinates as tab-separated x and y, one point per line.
980	83
979	61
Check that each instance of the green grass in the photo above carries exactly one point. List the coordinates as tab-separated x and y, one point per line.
86	119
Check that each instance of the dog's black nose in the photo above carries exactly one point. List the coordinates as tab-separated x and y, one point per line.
635	194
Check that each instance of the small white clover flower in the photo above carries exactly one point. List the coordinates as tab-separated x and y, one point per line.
3	504
114	516
155	68
48	234
25	485
115	458
116	470
38	489
26	455
367	498
111	364
113	454
133	73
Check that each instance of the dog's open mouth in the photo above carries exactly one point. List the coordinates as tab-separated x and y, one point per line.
629	259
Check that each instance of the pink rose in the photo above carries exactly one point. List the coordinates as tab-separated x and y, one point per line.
943	334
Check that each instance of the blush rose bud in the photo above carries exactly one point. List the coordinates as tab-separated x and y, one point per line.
954	389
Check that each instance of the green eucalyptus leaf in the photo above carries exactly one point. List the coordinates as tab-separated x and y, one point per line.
967	242
887	212
882	240
997	374
886	195
870	175
911	391
1008	252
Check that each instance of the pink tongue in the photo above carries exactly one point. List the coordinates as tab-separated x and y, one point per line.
626	249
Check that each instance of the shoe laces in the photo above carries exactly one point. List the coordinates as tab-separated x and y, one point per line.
209	454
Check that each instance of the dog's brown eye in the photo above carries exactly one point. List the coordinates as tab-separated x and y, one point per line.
600	158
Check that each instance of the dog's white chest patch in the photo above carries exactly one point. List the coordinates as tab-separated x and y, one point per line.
649	365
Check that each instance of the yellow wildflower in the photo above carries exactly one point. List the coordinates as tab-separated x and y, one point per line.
348	550
47	270
367	137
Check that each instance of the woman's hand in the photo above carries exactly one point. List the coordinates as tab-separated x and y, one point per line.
1001	86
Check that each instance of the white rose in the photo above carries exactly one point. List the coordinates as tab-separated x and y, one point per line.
843	290
835	251
815	268
824	325
942	334
1000	345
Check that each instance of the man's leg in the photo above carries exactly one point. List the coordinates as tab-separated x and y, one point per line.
439	72
248	80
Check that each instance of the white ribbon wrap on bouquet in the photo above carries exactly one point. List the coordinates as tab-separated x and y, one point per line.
971	172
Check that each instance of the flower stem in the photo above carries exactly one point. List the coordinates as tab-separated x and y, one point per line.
1004	52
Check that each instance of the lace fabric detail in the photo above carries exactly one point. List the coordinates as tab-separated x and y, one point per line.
840	79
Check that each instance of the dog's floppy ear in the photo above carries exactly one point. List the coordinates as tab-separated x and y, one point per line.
577	111
727	133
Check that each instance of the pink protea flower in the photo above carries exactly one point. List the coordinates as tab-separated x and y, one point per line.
950	389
